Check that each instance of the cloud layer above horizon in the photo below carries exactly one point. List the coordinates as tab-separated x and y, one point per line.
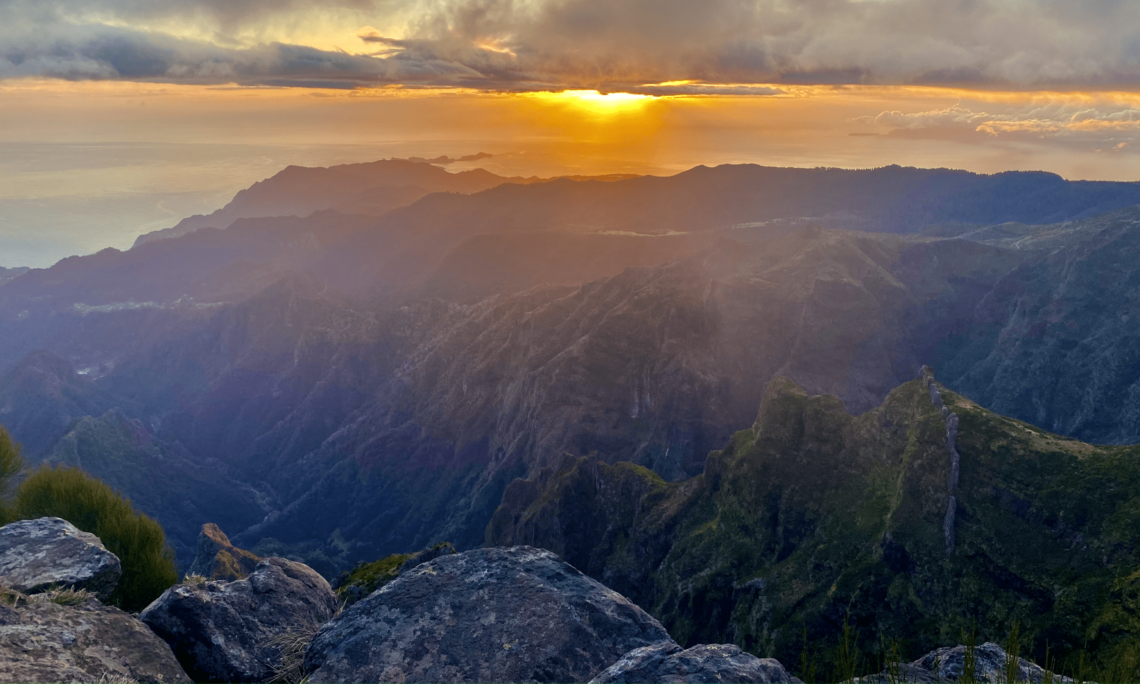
658	47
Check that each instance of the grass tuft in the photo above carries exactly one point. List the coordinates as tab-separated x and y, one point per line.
292	646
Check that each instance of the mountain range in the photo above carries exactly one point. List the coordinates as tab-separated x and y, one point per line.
364	378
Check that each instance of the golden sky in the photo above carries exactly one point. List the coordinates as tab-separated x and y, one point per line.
545	86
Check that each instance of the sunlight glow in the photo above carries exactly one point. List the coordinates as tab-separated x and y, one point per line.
597	103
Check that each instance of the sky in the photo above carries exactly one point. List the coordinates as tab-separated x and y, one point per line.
122	116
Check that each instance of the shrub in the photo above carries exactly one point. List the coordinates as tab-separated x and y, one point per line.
10	466
92	506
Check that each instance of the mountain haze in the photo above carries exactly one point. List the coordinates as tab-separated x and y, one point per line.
352	385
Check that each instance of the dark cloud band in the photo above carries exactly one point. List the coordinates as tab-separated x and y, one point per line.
713	47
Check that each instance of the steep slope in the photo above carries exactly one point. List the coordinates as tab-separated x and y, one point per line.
1057	342
128	458
653	365
814	515
42	396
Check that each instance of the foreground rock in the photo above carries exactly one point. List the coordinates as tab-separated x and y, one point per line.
668	663
218	559
514	614
42	641
36	555
946	665
226	631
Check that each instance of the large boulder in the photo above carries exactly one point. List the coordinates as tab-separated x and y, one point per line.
232	631
947	664
668	663
36	555
43	641
218	559
514	614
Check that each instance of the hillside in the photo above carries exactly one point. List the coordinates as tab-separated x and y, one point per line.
812	515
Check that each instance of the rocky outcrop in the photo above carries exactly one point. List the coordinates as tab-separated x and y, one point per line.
218	559
228	631
36	555
667	663
948	664
951	421
43	641
514	614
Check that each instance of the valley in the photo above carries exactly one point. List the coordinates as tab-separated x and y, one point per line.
340	386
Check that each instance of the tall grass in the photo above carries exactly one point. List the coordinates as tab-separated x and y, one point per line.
92	506
847	656
970	658
1012	650
807	662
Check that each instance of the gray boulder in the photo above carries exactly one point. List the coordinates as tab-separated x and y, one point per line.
515	614
42	641
36	555
232	631
668	663
946	665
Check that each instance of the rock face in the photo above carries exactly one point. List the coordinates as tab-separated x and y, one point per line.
222	631
41	641
36	555
218	559
946	664
667	663
490	615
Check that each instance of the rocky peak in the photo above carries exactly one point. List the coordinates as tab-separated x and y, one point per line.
218	559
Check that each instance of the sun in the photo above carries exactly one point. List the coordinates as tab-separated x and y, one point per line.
597	103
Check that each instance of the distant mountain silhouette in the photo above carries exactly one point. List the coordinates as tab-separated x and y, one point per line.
371	189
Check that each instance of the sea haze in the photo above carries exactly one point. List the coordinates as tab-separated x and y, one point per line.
61	199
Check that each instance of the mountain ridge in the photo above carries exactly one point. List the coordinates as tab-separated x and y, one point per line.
813	517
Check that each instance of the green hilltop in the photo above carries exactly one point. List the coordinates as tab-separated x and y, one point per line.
814	517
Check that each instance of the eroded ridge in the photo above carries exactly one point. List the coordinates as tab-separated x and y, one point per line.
951	421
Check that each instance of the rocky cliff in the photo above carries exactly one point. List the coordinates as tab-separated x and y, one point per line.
814	516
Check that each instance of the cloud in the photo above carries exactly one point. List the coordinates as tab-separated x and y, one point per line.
739	47
1109	123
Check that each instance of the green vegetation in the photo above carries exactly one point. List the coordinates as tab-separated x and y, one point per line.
371	576
815	529
92	506
11	463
